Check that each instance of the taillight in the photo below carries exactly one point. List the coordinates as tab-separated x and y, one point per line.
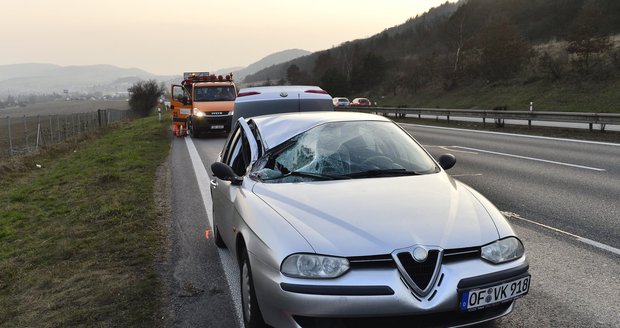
323	92
250	93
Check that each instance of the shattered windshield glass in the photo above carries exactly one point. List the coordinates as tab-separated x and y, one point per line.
345	150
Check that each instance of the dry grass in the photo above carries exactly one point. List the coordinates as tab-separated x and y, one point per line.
80	236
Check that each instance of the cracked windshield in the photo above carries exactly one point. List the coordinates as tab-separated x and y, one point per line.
345	149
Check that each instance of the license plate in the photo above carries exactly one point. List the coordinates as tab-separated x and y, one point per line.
217	127
478	298
185	111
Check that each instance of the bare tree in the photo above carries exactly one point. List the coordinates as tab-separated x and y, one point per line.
503	49
144	96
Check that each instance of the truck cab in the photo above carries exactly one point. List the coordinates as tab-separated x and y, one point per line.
206	102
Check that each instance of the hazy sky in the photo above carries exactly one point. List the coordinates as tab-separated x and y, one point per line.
169	37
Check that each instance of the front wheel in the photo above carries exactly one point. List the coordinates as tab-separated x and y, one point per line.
219	242
252	317
194	131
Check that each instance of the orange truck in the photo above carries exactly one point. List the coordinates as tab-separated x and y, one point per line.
203	103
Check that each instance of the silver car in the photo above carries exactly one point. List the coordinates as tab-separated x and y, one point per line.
343	220
341	102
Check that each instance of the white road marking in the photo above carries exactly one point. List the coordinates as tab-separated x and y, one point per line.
531	158
517	135
229	265
448	149
466	175
202	177
578	238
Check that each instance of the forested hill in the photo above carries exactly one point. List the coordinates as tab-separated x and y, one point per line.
470	45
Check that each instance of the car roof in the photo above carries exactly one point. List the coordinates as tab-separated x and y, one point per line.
275	91
275	129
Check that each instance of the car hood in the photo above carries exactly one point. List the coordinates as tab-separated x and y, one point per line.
378	215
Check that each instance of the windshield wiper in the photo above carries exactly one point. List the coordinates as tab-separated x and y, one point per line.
314	175
382	173
306	175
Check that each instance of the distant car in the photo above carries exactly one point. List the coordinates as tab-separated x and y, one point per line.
361	102
257	101
341	102
341	219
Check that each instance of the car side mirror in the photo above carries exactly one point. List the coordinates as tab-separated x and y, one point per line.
226	173
447	161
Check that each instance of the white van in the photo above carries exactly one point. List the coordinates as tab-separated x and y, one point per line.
258	101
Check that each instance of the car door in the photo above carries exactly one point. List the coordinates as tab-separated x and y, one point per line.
239	153
180	103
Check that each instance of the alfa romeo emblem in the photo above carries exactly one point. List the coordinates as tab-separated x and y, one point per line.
420	254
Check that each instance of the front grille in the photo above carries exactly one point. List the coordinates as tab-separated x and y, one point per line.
419	276
377	261
216	113
460	254
421	273
219	120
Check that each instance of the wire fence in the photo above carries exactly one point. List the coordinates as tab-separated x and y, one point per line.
29	133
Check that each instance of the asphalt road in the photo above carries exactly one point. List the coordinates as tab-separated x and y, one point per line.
568	185
570	188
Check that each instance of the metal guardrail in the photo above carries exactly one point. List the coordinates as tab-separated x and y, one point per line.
601	119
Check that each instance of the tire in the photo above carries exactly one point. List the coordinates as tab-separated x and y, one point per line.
252	318
219	242
194	132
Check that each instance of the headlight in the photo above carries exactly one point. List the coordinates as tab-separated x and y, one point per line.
503	250
314	266
198	113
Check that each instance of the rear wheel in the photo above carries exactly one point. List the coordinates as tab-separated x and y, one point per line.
252	317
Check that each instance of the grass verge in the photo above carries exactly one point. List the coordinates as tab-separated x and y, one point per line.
601	97
80	236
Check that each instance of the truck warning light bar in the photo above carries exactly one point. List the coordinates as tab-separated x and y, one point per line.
193	77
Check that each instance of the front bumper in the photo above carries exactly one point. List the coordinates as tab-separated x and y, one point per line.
212	123
378	293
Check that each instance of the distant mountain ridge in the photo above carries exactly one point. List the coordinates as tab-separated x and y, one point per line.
40	78
268	61
21	79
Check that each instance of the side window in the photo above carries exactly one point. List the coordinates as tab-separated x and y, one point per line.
179	93
240	155
236	159
228	148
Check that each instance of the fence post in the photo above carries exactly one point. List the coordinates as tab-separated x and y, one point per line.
38	135
25	133
58	128
10	138
36	146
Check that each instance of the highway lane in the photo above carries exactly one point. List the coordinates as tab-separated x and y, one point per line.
198	290
569	185
573	283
